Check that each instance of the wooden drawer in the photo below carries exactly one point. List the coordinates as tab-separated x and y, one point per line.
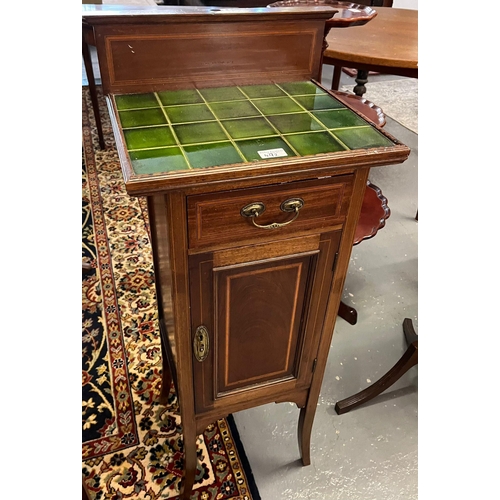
216	218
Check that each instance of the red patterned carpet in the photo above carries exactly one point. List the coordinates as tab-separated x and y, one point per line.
132	447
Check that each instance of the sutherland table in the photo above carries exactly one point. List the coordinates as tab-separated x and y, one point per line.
387	44
254	176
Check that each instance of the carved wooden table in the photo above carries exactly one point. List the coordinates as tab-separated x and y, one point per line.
387	44
255	177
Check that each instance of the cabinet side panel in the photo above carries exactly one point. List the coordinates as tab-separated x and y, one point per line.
163	272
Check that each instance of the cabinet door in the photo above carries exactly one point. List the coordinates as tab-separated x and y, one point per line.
262	308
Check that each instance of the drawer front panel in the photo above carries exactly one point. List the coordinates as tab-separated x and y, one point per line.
216	218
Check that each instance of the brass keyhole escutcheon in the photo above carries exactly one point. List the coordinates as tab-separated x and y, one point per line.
201	343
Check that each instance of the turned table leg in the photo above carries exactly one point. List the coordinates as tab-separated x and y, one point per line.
361	80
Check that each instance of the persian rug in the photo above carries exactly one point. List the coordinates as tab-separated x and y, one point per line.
132	447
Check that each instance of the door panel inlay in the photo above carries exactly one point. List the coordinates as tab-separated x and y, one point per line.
260	311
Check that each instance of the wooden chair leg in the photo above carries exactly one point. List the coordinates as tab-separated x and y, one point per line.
348	313
409	359
337	72
93	92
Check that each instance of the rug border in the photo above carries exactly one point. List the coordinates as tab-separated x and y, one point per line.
252	485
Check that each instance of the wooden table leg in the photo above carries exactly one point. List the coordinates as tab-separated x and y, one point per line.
87	61
361	80
409	359
337	72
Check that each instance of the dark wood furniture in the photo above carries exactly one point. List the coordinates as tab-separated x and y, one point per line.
253	209
407	361
87	41
348	13
375	210
387	44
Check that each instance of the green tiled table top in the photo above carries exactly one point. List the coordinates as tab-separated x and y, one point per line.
187	129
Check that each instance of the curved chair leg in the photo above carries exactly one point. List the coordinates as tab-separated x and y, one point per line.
348	313
409	359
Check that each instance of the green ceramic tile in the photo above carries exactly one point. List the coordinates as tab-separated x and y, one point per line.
363	137
191	113
339	118
234	109
142	117
301	88
251	147
194	133
221	94
152	137
295	122
315	102
211	155
151	161
256	91
314	143
134	101
277	105
173	97
248	127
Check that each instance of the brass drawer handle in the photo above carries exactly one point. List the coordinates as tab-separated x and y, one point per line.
201	343
255	209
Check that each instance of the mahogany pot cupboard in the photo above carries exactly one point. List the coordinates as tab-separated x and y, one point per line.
254	176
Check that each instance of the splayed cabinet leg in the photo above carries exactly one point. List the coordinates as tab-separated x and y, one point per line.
190	461
306	419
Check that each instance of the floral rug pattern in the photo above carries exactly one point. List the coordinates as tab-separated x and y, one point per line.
132	446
